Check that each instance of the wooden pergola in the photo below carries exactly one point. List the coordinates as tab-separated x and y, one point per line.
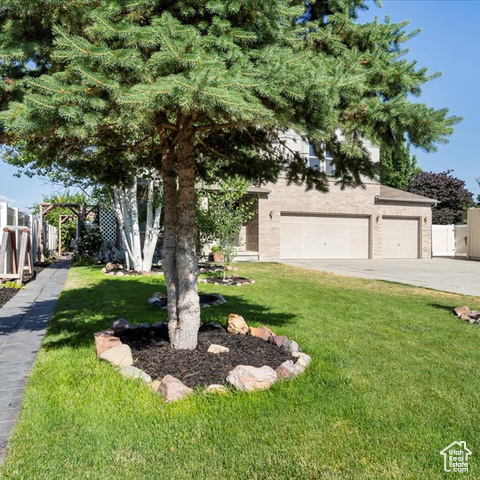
80	210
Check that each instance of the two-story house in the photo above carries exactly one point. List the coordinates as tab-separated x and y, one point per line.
371	222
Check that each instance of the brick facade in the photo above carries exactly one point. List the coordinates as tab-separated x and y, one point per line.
365	202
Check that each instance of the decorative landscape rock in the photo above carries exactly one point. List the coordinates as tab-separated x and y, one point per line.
206	268
142	325
105	342
112	267
228	281
160	324
261	332
467	315
291	346
303	360
206	300
236	324
173	389
287	370
459	311
107	332
155	385
243	377
221	389
134	372
278	340
121	324
214	325
121	355
217	349
248	378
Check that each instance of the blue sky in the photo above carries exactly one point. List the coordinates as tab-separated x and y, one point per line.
449	43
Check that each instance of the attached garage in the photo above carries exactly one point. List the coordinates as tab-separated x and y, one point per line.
400	237
324	236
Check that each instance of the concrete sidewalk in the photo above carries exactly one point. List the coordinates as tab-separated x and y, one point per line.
455	275
23	321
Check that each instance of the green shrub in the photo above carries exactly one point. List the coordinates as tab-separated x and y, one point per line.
88	246
11	284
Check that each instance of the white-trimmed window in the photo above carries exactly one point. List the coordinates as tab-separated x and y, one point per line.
324	165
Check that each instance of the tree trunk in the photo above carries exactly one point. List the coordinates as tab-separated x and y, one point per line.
180	260
127	215
119	213
152	228
136	247
126	211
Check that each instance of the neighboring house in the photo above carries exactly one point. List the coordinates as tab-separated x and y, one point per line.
371	222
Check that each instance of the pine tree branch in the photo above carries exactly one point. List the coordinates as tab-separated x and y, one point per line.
220	126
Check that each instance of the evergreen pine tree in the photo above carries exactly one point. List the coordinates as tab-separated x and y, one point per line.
176	85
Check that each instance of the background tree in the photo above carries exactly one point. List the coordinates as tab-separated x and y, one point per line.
227	211
69	228
397	166
134	192
143	194
453	198
184	84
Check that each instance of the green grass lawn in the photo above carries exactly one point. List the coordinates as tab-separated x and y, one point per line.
394	379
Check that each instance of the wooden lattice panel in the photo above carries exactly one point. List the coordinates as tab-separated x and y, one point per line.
108	225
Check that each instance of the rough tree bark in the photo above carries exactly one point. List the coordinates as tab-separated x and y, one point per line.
180	260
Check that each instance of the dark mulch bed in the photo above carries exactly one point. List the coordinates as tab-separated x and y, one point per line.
7	293
152	353
206	300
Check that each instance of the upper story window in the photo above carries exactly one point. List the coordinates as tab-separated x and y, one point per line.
324	165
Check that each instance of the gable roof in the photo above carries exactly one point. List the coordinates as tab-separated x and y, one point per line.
389	195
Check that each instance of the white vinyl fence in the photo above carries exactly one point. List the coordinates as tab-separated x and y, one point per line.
449	240
11	216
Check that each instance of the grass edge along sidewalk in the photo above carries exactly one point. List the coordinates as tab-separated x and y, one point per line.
392	383
23	322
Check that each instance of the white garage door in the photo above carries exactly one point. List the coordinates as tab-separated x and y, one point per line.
316	236
399	237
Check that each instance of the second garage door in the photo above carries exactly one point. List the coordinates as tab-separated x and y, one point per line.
399	237
319	236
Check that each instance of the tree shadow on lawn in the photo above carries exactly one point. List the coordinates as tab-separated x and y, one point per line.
83	311
447	308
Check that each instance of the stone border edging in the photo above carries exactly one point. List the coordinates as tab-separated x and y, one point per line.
243	377
159	300
464	313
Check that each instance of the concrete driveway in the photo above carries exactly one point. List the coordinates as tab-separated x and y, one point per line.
454	275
